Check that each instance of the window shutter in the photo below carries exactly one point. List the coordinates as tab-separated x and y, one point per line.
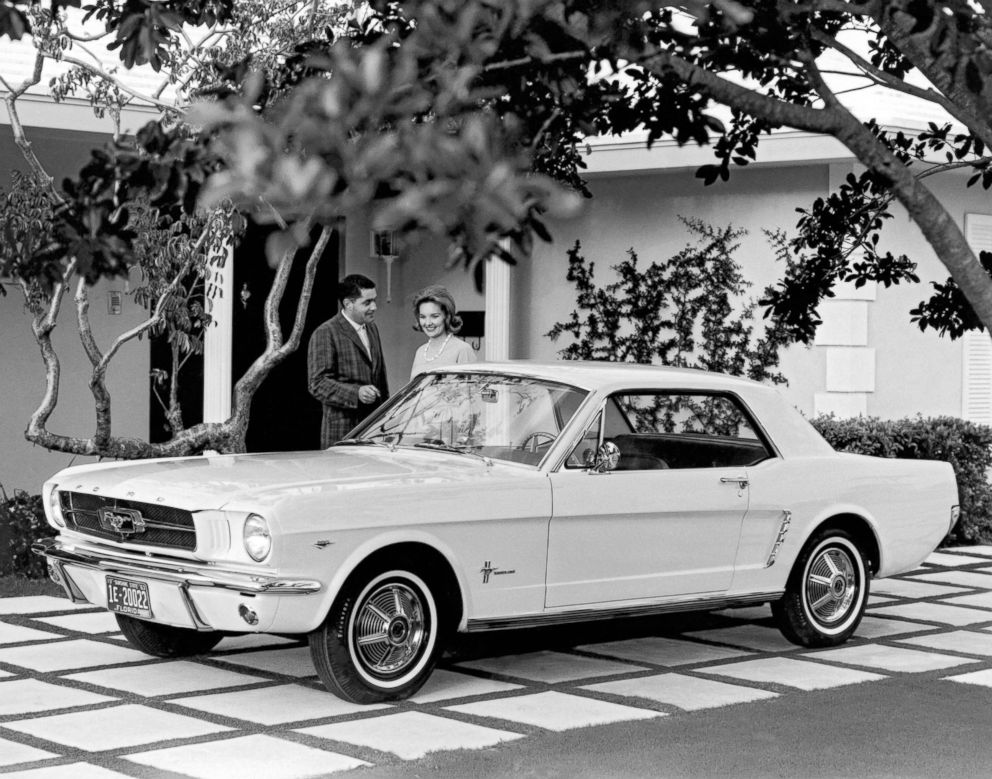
976	403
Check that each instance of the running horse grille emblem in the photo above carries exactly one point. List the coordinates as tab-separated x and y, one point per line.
127	522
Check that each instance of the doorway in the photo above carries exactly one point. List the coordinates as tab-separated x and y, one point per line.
284	416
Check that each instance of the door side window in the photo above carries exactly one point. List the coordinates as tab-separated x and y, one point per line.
658	430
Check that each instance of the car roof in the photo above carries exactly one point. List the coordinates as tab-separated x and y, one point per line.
602	375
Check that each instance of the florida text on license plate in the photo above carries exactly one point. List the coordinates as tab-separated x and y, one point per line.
128	597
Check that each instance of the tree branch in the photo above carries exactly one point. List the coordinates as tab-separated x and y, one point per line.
524	61
38	171
918	49
98	71
163	297
886	79
818	120
309	274
938	227
42	324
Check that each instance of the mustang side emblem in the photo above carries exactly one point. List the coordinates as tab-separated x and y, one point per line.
489	569
127	522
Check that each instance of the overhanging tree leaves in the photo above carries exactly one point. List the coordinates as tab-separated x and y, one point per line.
774	64
780	69
131	210
465	118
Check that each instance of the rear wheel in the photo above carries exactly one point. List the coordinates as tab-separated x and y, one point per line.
827	591
166	640
381	639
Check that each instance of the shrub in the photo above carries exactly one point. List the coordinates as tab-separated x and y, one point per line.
22	522
689	310
965	445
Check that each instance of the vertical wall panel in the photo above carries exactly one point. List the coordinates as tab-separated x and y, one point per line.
976	402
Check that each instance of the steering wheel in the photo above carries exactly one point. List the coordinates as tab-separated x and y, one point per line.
533	438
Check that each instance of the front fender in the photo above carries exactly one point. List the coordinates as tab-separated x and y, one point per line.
364	550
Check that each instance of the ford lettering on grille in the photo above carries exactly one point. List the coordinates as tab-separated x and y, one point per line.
127	522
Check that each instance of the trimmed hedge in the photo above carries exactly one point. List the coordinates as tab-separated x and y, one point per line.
965	445
22	522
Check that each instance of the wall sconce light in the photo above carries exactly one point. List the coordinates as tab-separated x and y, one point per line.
383	246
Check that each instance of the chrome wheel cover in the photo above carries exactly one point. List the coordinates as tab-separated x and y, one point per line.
831	585
390	630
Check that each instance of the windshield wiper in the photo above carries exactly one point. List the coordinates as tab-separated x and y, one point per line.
440	446
359	442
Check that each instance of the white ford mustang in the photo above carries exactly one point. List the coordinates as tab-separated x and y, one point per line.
496	496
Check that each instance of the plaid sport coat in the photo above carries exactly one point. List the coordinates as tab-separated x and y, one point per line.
337	365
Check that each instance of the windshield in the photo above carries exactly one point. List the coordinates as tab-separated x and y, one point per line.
503	417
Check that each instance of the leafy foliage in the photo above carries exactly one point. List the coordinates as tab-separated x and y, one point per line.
776	70
948	311
22	522
438	113
965	445
132	210
687	310
26	227
467	119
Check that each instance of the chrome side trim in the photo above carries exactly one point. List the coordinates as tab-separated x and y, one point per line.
593	615
183	573
783	529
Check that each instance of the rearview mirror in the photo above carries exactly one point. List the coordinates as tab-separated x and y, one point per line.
607	457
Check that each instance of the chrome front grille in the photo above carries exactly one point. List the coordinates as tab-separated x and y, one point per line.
115	519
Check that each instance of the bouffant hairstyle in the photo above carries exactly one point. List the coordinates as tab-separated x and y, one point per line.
440	296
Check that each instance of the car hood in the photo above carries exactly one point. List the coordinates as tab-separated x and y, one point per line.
213	482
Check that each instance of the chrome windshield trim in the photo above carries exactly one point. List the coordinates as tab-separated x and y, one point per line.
187	574
593	615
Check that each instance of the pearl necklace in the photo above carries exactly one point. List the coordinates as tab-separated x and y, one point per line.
427	346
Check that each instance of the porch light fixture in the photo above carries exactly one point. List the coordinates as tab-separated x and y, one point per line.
383	246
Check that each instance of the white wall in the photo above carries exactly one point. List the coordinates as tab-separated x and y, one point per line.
22	376
916	372
417	267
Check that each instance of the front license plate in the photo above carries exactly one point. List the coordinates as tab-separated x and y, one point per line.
127	597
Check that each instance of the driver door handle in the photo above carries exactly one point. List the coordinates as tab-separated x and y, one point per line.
740	481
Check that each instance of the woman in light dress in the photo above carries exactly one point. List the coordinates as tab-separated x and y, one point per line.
437	317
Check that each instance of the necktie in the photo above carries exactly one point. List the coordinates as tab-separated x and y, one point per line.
364	335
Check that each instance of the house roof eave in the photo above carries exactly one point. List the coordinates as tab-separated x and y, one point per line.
629	153
74	114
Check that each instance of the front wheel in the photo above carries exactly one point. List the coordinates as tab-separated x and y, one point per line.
381	638
166	640
827	591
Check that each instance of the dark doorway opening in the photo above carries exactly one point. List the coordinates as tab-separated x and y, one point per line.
284	416
189	391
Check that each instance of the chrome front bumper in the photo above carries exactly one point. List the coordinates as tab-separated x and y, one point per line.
194	583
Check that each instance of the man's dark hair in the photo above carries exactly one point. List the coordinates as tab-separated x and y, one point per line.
351	287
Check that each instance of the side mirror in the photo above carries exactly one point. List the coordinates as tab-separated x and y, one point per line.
607	458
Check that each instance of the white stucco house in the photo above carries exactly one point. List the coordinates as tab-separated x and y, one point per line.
867	358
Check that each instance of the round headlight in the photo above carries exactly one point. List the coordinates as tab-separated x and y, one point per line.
55	507
258	542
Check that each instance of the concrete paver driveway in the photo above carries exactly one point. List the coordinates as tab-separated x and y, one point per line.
76	701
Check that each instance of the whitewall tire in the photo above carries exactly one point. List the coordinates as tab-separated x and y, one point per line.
827	591
381	639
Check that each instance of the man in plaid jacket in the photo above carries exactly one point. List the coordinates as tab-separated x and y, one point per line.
344	361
